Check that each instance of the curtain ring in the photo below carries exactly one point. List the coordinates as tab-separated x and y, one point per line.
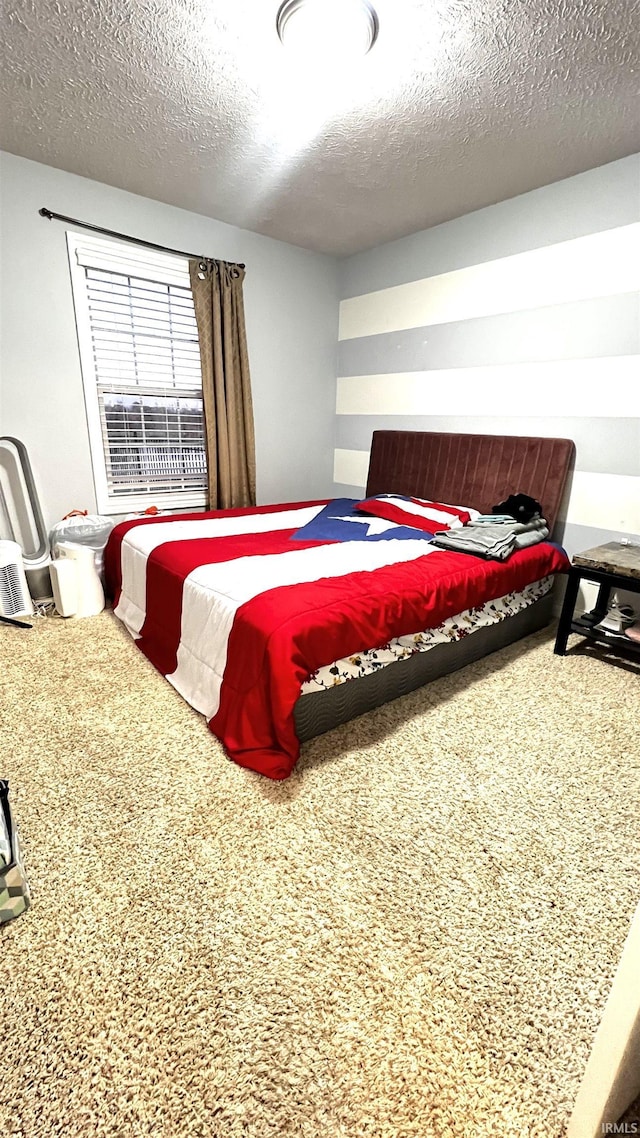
207	267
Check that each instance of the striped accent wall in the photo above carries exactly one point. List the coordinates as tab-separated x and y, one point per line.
523	318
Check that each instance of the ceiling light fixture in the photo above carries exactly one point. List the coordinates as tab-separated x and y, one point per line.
328	28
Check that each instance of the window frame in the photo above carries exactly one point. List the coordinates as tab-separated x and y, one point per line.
118	257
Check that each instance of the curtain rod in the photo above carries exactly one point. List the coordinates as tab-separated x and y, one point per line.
122	236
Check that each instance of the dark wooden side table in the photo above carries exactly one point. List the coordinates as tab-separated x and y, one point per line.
612	566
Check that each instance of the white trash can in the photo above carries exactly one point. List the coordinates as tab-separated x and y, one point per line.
77	588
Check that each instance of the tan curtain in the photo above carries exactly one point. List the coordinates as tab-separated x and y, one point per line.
226	384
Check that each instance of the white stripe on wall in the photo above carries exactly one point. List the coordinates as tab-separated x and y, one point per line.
600	264
351	467
605	501
588	388
602	501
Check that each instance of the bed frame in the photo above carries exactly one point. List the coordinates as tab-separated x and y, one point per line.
470	470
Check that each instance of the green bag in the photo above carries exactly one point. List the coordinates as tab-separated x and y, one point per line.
15	897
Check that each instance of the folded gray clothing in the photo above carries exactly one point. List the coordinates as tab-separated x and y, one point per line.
531	537
493	519
483	541
495	542
536	523
506	520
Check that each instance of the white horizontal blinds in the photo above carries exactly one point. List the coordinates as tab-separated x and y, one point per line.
144	343
143	333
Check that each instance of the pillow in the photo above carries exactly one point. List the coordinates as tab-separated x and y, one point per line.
417	512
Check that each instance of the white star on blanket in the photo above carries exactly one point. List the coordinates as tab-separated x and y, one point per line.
374	525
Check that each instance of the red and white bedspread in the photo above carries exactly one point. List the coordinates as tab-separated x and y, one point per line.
236	615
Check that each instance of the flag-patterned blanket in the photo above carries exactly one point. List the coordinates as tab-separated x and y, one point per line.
237	613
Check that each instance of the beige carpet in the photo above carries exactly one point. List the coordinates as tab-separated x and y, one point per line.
413	936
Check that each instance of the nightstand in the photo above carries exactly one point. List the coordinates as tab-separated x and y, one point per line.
611	566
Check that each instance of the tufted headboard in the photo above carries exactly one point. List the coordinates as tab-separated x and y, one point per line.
471	470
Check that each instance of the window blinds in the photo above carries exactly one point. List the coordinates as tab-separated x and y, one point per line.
145	353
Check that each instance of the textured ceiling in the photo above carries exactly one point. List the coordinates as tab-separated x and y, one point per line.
461	103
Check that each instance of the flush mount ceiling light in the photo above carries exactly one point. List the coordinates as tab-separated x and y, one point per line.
344	28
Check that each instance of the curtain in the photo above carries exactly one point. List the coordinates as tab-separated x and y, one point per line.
226	384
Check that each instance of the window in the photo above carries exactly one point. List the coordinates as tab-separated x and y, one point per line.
141	371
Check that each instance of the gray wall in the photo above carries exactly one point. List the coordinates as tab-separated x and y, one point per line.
291	299
522	318
427	339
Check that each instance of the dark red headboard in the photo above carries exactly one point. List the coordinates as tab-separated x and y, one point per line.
471	470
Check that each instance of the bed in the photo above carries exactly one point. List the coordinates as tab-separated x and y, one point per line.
243	610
